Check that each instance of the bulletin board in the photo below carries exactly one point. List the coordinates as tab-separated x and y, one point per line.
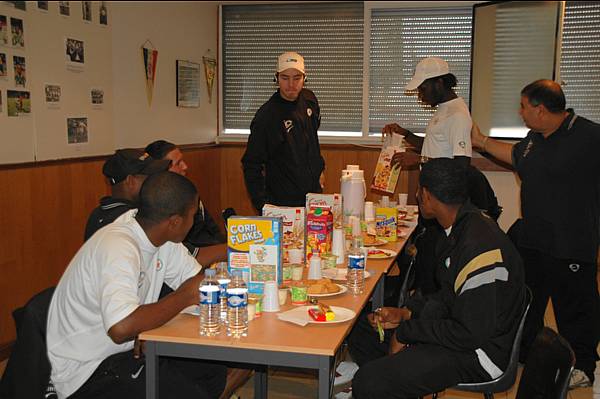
56	75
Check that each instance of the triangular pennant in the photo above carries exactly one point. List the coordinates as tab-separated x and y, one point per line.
150	57
210	67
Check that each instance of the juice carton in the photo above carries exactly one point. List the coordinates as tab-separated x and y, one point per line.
293	226
331	201
319	230
254	246
386	220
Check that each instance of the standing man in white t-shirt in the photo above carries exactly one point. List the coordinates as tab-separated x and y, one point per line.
109	294
448	133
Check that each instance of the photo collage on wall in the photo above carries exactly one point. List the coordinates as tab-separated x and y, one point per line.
15	90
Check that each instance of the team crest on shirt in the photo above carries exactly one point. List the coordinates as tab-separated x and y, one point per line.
528	148
288	124
141	279
309	112
159	264
462	144
447	262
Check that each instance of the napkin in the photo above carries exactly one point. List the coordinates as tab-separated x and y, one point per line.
293	317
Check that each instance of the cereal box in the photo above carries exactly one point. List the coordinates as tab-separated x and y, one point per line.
385	177
293	226
319	230
254	245
331	201
386	223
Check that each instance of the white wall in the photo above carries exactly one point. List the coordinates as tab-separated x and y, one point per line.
177	30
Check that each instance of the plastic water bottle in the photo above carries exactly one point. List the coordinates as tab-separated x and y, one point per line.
355	278
224	279
209	304
237	306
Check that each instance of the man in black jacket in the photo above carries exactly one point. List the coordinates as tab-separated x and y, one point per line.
283	161
463	332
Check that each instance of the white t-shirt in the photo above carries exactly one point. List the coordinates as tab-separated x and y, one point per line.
114	272
448	133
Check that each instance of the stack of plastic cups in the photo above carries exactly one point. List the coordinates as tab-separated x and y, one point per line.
338	245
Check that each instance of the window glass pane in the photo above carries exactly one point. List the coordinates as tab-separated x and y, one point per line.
580	58
328	35
400	38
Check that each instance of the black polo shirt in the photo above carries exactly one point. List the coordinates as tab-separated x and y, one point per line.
560	182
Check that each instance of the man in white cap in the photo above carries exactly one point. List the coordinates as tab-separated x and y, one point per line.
283	161
448	134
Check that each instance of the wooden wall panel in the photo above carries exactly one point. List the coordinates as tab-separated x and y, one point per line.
43	210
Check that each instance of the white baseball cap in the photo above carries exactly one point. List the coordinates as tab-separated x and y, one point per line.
427	68
290	60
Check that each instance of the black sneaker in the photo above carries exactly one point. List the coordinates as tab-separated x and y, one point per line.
50	391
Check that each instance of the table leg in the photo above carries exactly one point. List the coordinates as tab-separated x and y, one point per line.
151	370
377	299
261	386
325	378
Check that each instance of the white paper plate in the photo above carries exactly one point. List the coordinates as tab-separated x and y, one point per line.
382	254
343	289
378	242
341	314
339	274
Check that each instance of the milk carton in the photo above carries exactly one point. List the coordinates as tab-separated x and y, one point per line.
331	201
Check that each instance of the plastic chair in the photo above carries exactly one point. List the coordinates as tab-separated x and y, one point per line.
505	381
548	368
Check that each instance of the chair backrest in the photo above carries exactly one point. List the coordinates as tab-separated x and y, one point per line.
505	381
28	369
548	367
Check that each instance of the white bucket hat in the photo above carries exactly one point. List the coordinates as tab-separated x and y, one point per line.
290	60
427	68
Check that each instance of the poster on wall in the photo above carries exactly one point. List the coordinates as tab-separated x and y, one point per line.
18	103
97	96
64	8
3	66
20	71
150	57
188	84
75	55
103	11
42	5
17	32
86	10
3	30
77	130
52	92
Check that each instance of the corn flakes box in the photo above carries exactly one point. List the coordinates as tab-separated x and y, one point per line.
254	246
386	221
331	201
293	226
385	178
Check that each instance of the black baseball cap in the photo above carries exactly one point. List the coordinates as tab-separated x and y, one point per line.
130	161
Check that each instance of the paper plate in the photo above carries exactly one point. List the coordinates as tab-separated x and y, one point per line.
343	289
339	274
378	242
381	253
341	314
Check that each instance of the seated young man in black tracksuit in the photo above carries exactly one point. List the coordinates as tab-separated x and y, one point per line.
463	332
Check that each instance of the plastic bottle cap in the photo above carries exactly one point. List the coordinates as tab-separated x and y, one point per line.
318	211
